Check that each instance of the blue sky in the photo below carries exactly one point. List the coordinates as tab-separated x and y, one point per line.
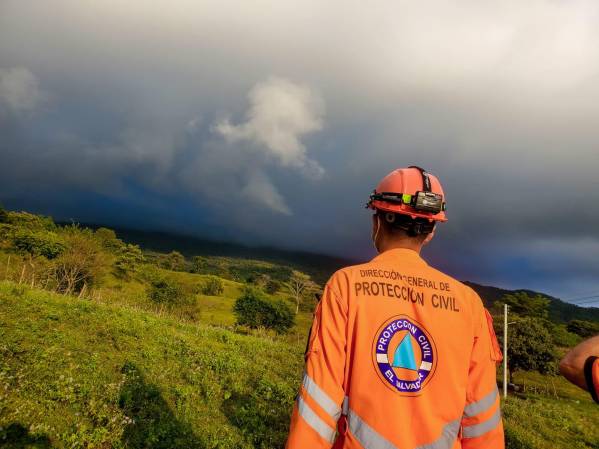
270	122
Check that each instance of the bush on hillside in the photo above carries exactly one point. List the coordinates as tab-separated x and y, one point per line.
259	280
198	264
254	310
25	220
213	287
109	240
167	292
583	328
37	243
82	263
128	261
174	261
3	215
272	287
531	347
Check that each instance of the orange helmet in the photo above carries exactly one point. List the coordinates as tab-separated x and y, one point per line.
410	191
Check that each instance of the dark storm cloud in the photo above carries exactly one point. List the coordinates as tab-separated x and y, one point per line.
270	122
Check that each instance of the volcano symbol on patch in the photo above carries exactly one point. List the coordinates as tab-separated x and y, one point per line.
404	355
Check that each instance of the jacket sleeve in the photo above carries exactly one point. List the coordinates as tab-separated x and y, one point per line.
482	426
318	405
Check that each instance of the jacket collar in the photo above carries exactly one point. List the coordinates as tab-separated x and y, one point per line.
403	254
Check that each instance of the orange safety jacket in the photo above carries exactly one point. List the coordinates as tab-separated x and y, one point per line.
400	356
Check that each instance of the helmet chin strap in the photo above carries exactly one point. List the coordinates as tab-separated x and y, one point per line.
376	233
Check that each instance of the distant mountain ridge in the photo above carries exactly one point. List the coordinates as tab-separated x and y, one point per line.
319	266
559	311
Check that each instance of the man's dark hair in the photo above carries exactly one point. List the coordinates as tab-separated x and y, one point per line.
417	228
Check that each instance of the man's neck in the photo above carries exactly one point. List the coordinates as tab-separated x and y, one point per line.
400	244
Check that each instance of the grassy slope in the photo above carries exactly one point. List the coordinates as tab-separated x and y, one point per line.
80	374
550	414
74	373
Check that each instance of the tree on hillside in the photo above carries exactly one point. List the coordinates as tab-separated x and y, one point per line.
198	264
299	284
128	260
214	286
531	347
167	292
109	240
174	261
3	215
272	287
523	304
260	280
81	264
254	310
35	244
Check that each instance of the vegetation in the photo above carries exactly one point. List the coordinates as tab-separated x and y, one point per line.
129	260
173	261
254	310
583	328
81	374
105	345
3	214
213	287
166	292
531	348
521	303
559	311
300	285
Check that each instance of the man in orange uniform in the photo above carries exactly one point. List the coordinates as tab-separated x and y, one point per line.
400	355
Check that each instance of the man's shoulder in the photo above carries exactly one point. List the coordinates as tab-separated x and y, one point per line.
459	285
349	272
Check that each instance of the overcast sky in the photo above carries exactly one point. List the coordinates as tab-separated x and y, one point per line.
270	122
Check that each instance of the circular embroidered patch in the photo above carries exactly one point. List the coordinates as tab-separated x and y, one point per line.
404	355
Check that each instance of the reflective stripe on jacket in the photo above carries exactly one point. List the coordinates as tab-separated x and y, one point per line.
406	354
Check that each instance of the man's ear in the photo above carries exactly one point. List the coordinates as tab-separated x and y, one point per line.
428	238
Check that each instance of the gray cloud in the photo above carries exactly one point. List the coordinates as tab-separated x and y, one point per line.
19	90
497	98
280	113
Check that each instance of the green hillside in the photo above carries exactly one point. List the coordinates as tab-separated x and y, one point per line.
77	374
143	350
319	266
80	374
559	311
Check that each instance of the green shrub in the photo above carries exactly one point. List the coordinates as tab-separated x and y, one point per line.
254	310
109	240
272	287
82	263
38	243
128	260
213	287
174	261
531	347
166	291
26	220
562	337
3	215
